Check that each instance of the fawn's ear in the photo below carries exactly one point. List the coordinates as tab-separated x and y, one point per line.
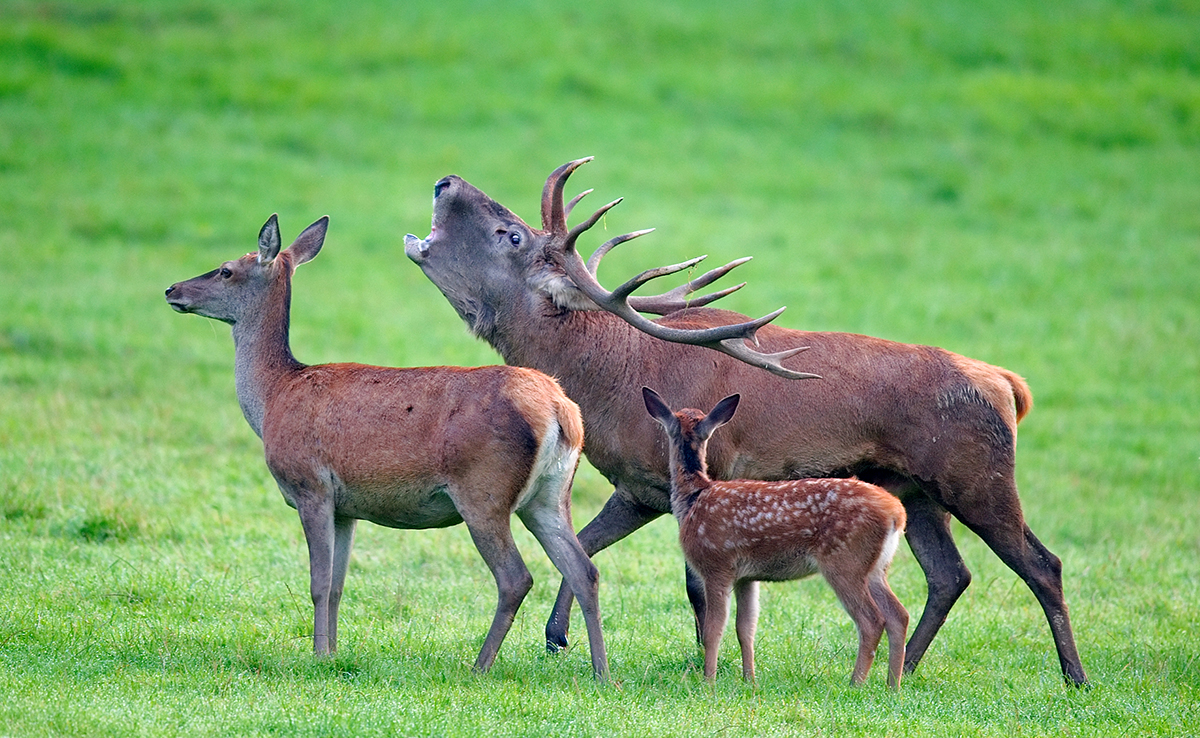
657	408
308	244
720	415
268	240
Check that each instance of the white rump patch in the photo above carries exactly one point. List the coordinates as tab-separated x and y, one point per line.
885	556
551	469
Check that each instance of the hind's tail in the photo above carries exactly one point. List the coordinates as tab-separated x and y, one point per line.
567	414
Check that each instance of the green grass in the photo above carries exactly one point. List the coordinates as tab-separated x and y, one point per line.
1014	181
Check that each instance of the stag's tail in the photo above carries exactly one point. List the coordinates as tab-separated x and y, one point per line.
1022	396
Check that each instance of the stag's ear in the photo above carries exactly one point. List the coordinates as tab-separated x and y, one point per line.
720	415
657	408
308	244
268	240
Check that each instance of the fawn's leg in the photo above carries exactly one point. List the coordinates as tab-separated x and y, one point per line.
746	592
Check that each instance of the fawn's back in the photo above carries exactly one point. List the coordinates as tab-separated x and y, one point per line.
778	531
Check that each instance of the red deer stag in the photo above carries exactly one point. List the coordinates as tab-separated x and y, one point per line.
936	429
404	448
738	533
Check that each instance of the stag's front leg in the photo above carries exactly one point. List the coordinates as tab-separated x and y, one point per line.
946	574
620	516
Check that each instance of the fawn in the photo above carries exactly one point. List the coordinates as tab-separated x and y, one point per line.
737	533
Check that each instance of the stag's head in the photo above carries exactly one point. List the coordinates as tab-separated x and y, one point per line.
482	257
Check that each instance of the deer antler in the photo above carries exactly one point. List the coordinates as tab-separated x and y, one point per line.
672	300
728	339
554	214
678	298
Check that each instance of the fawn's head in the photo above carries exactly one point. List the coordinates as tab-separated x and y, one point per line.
688	430
238	288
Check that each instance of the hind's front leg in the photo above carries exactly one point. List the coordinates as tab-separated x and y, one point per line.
317	520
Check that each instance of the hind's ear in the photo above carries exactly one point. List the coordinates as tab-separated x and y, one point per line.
308	244
268	240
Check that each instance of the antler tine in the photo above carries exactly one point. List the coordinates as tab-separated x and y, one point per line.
593	262
626	289
680	297
554	216
575	201
675	299
770	362
591	221
728	339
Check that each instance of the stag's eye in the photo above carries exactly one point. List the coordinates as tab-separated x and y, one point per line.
515	238
226	272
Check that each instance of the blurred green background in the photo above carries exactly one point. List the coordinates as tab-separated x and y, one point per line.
1014	181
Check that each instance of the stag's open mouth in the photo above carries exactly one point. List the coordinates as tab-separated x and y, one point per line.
416	248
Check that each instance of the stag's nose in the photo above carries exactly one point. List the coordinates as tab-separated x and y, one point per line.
171	289
441	186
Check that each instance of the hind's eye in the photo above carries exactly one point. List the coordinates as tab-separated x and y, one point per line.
515	238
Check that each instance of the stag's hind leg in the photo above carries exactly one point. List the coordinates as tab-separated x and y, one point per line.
994	514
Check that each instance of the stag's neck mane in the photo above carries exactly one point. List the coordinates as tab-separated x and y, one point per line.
540	333
558	288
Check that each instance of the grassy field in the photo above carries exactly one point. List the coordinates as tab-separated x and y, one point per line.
1014	181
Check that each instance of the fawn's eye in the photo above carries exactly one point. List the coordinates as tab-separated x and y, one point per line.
226	272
